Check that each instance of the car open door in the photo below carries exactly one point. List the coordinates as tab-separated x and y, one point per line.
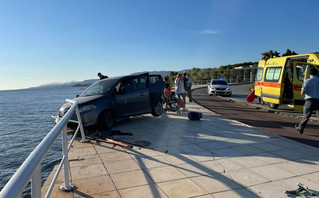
133	97
298	78
300	75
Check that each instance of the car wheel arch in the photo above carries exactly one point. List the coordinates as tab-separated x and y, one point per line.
102	114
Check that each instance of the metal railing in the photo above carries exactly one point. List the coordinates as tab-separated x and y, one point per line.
31	167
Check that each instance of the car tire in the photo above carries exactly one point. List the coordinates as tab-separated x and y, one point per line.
106	120
157	109
273	106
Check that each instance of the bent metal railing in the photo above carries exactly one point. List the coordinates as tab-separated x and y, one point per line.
31	167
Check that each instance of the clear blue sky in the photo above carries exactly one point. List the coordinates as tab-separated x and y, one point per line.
59	41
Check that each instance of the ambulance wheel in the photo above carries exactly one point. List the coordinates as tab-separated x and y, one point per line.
273	106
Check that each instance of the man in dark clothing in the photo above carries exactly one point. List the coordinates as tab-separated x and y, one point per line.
101	76
188	86
310	89
185	80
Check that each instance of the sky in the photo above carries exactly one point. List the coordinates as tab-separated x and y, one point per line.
44	42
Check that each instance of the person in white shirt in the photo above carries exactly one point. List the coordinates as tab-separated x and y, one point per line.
310	89
179	87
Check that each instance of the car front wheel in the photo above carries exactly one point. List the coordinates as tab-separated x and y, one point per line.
158	109
106	120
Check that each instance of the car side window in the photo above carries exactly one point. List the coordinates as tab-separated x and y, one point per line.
141	82
129	85
154	79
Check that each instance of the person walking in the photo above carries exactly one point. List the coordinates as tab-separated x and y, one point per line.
310	89
179	87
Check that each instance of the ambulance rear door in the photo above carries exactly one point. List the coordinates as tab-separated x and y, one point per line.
259	77
271	87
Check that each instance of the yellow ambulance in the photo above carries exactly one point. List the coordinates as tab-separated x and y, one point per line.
279	80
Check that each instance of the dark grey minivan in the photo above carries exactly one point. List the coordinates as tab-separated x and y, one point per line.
109	100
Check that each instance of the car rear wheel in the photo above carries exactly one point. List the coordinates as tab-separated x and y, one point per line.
158	109
106	120
273	106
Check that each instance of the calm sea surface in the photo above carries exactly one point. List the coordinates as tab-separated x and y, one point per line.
25	119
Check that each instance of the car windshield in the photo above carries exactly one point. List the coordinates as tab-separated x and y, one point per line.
219	82
99	88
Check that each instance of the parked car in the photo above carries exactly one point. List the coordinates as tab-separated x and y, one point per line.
219	87
109	100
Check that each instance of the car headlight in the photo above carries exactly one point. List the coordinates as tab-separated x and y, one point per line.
87	108
228	88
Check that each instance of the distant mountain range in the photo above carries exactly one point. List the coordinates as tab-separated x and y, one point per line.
90	81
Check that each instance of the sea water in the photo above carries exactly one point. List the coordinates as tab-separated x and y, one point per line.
25	119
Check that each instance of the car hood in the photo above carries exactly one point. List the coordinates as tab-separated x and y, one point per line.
85	99
220	86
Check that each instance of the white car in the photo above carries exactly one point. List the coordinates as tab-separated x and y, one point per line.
219	87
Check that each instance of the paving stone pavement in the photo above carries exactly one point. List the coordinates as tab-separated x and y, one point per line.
214	157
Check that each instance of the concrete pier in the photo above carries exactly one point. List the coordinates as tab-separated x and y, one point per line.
214	157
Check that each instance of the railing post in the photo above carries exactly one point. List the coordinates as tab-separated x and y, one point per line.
66	186
36	183
77	112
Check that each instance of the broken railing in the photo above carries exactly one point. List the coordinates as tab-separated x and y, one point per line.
30	170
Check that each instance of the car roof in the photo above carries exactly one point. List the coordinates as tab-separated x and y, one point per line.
125	76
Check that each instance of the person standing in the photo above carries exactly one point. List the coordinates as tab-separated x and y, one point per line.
179	87
101	76
167	82
310	89
185	81
189	88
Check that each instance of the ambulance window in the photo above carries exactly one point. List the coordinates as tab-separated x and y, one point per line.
259	74
273	74
300	71
309	68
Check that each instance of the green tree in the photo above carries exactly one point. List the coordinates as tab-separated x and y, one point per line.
200	75
225	75
194	72
206	76
289	53
213	73
270	54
